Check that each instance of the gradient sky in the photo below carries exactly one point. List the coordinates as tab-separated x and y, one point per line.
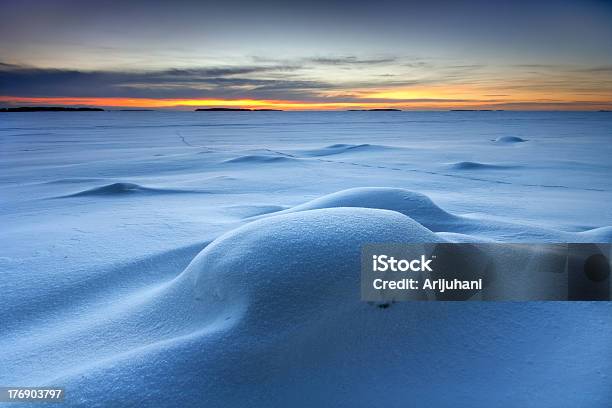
308	54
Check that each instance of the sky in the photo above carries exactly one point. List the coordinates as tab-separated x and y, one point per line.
308	55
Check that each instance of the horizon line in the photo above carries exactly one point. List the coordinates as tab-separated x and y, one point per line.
120	109
296	105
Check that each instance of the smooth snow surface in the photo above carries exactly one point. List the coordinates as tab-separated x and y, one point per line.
212	260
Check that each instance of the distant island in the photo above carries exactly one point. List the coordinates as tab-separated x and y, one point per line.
49	109
375	110
236	110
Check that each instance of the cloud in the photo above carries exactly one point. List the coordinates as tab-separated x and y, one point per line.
350	60
328	60
218	82
604	69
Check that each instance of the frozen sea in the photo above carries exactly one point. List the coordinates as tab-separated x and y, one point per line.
103	215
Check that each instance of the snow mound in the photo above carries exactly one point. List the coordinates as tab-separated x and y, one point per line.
256	158
339	148
602	234
287	267
119	189
415	205
470	165
422	209
509	139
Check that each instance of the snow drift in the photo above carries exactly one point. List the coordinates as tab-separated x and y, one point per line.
293	265
509	140
470	165
415	205
121	189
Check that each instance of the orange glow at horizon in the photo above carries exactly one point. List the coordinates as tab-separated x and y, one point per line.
178	103
392	99
482	94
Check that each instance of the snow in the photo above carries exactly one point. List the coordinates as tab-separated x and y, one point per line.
189	259
469	165
416	206
286	268
509	139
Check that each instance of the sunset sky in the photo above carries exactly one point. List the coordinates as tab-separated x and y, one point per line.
308	55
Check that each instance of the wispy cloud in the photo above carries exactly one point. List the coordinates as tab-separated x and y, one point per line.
196	82
350	60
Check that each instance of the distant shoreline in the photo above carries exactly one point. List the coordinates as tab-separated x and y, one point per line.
50	109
